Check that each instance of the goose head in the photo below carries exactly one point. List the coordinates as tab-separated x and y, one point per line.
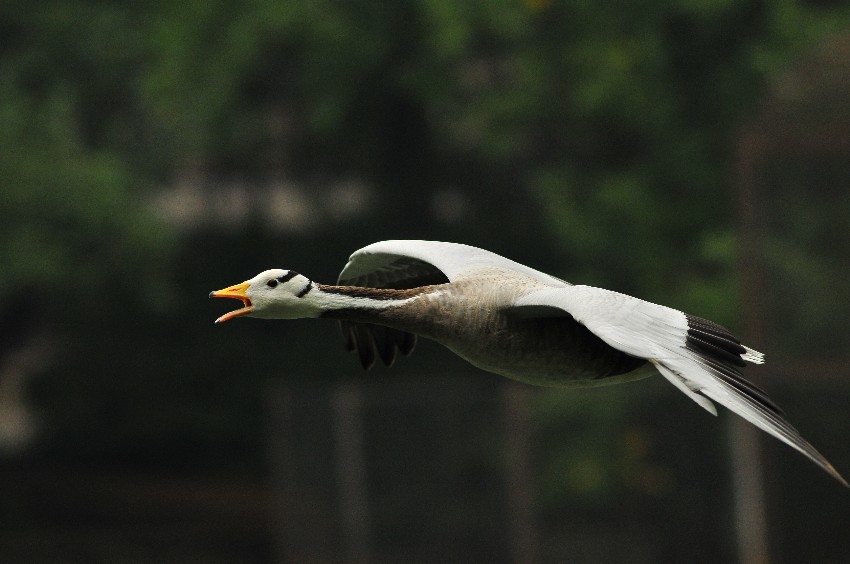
271	294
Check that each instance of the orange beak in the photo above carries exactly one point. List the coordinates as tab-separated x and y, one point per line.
237	293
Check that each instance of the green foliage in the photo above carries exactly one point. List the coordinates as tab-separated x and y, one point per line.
72	221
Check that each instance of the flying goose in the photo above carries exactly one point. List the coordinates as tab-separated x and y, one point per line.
512	320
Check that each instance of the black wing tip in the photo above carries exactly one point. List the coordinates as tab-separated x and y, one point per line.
370	342
723	354
359	342
365	352
407	344
714	341
384	344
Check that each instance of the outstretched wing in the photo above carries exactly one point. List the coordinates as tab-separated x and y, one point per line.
391	262
699	357
409	264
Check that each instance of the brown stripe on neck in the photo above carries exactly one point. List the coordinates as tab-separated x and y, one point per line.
376	293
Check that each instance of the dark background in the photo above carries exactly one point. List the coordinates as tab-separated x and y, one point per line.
690	153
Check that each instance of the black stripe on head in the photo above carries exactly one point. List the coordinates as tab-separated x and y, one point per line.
305	290
287	277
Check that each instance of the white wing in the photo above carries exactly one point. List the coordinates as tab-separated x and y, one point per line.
699	357
390	263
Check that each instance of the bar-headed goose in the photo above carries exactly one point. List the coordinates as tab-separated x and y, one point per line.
518	322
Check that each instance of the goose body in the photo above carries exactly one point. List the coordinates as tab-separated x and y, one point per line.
470	317
507	318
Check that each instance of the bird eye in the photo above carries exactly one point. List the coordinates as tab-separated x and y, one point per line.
272	283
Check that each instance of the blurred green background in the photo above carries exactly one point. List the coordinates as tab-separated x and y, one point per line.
691	153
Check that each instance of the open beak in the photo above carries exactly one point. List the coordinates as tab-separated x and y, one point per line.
237	292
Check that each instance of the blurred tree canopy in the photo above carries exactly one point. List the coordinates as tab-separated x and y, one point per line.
592	140
614	120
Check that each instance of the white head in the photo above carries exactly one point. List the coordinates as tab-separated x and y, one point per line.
273	294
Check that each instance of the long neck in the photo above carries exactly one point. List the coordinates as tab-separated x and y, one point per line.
382	306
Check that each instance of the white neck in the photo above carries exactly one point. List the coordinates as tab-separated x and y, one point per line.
329	299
